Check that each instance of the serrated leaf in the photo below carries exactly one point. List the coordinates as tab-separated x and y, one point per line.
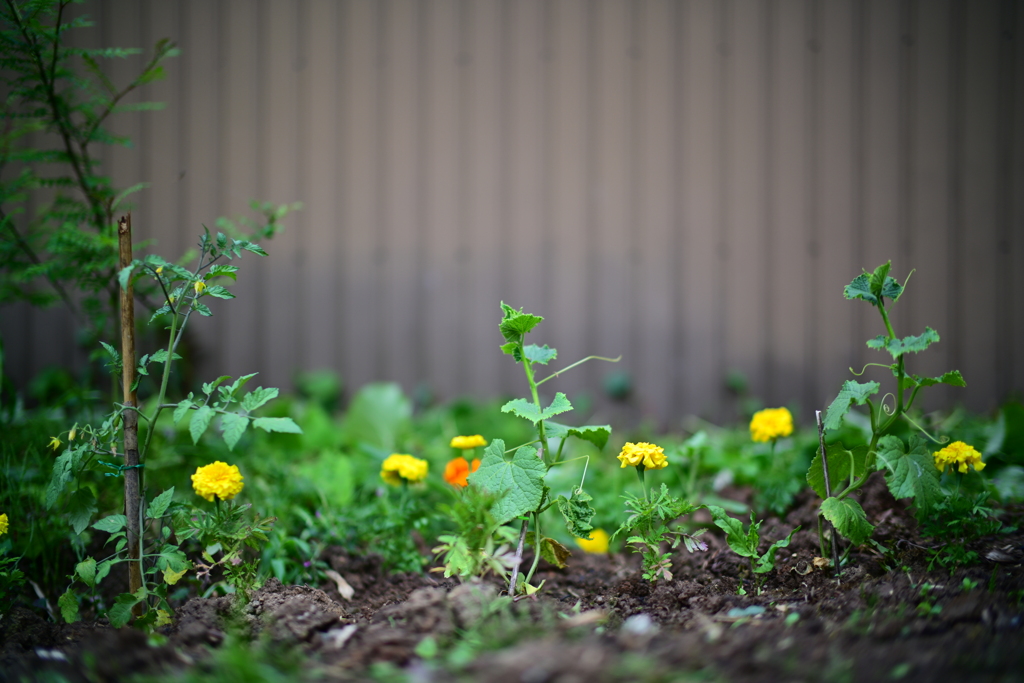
258	397
81	508
743	542
209	387
202	309
849	519
251	246
200	421
520	478
222	270
172	577
530	411
219	292
577	511
912	344
233	426
841	462
860	288
910	474
161	356
86	571
102	569
952	378
125	274
158	508
121	613
180	410
595	434
514	324
283	425
63	470
766	562
111	523
852	392
540	354
511	349
68	604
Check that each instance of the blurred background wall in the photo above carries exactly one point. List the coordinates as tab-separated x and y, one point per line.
687	183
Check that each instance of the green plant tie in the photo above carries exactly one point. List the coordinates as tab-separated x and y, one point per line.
119	469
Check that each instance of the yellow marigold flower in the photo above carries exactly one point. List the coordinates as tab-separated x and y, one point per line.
647	454
598	542
200	287
3	524
399	466
457	471
771	423
218	479
464	442
55	442
960	455
159	270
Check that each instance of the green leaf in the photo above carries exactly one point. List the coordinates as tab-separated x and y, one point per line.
529	411
577	511
161	357
219	292
284	425
841	462
595	434
554	552
103	569
258	397
125	274
209	387
514	324
743	543
200	421
158	507
251	246
233	426
111	523
910	474
520	479
222	270
852	392
511	349
860	288
540	354
202	309
766	562
86	571
899	347
68	604
63	471
121	613
180	410
81	508
952	378
378	415
849	519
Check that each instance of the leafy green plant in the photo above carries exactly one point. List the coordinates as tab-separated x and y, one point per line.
746	542
478	545
517	474
648	523
59	95
909	469
183	291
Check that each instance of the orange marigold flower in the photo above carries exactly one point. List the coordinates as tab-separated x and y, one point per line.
466	442
457	471
770	424
960	455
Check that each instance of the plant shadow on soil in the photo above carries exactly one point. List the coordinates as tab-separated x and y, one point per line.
886	618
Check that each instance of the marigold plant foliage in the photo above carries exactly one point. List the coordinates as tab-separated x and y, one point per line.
652	457
457	471
218	479
598	543
399	466
960	455
770	424
467	442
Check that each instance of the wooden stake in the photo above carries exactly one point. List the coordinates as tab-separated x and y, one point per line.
132	472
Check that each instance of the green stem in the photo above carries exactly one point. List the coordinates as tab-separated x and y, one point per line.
528	368
536	546
164	380
821	536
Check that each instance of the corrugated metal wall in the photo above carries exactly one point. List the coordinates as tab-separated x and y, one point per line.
687	183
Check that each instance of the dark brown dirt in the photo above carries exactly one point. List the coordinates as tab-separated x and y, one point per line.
598	620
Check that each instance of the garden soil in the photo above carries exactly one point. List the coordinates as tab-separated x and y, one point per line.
887	617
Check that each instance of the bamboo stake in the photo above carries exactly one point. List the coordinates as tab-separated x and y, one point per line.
131	472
